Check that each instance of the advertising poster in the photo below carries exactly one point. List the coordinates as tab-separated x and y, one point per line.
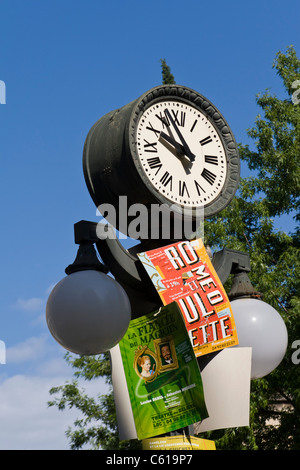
162	373
182	272
178	443
227	381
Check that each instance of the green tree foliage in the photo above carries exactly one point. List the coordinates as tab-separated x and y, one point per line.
247	224
277	137
167	76
97	428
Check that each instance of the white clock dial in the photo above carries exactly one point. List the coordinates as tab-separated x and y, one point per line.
181	153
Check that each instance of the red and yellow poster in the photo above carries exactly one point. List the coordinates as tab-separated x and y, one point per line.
183	272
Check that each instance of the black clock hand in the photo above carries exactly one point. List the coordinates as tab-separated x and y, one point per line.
176	149
187	151
173	142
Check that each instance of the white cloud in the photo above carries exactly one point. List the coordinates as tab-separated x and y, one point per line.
33	304
26	420
28	350
27	423
33	366
54	367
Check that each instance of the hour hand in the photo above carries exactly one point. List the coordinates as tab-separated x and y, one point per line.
178	147
185	146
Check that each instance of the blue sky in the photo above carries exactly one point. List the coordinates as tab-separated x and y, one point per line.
65	64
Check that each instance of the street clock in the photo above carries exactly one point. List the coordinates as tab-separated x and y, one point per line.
171	146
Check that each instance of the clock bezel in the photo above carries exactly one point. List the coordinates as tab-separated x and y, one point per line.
190	97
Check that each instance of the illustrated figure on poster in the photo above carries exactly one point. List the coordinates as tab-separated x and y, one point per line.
145	364
166	357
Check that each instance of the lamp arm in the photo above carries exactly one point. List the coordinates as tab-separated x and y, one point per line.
228	262
124	266
128	269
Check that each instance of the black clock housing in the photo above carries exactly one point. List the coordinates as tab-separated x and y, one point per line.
113	161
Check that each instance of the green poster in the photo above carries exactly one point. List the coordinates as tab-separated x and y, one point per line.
162	373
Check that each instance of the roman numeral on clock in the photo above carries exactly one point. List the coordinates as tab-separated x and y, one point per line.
183	189
193	126
206	140
208	176
163	119
150	146
167	179
212	159
180	121
178	117
199	188
154	162
151	128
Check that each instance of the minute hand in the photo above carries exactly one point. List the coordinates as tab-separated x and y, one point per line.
187	151
178	147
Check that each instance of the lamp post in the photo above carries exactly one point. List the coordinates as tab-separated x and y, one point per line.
139	151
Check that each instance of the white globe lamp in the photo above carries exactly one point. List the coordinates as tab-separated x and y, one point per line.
258	326
88	312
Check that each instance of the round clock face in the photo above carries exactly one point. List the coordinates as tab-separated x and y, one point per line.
181	153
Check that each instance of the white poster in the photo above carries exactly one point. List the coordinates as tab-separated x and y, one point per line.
125	418
226	381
